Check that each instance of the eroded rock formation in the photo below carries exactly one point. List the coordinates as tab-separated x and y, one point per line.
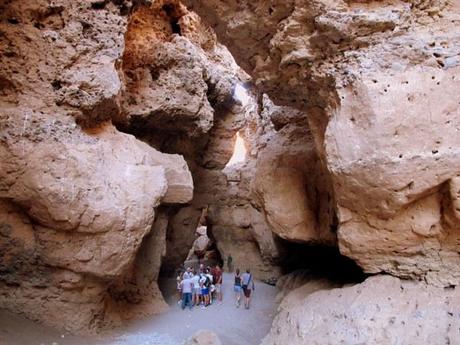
351	126
78	197
377	81
382	310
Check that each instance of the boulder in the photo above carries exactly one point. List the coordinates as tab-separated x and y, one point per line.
382	310
204	337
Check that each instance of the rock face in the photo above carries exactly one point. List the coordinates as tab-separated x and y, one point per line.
174	69
198	118
382	310
88	213
77	196
290	183
371	78
204	337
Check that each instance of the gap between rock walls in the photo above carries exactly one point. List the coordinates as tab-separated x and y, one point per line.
142	128
245	219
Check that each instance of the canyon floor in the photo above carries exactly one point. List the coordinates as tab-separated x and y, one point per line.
233	325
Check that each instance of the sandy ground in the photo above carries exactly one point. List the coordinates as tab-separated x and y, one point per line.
235	326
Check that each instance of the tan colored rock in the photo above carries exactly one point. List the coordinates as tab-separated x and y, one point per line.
297	285
242	231
288	180
200	245
86	189
175	72
79	195
204	337
137	294
378	82
58	297
382	310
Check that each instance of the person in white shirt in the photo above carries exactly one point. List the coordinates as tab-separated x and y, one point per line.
196	298
188	273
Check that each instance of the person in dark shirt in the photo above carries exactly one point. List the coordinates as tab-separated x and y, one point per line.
230	263
248	286
237	287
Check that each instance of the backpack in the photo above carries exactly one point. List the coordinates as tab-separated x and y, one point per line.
207	283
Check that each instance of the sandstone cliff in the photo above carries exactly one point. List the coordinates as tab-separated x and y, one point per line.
109	110
78	197
378	81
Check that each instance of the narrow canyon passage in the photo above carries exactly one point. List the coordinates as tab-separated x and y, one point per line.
315	143
233	325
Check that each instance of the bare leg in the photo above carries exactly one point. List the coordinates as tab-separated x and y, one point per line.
238	298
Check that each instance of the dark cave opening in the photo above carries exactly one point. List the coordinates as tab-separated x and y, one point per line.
319	261
170	11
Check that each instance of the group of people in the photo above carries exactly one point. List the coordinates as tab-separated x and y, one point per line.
203	286
199	287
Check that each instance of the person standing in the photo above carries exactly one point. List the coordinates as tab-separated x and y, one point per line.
179	288
187	288
237	287
210	284
205	283
247	282
230	263
188	273
218	282
196	298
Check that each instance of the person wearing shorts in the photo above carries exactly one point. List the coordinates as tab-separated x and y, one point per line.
209	282
247	283
237	287
205	294
196	289
204	291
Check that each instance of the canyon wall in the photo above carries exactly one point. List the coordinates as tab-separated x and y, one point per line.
118	119
378	81
90	213
78	197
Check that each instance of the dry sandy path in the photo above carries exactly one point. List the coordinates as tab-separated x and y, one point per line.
235	326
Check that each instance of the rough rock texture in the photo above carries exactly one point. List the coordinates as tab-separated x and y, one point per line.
382	310
290	183
198	118
175	72
304	284
137	293
77	196
201	243
204	337
378	81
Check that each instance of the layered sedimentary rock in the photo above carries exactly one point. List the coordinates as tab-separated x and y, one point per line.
382	310
78	197
378	82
